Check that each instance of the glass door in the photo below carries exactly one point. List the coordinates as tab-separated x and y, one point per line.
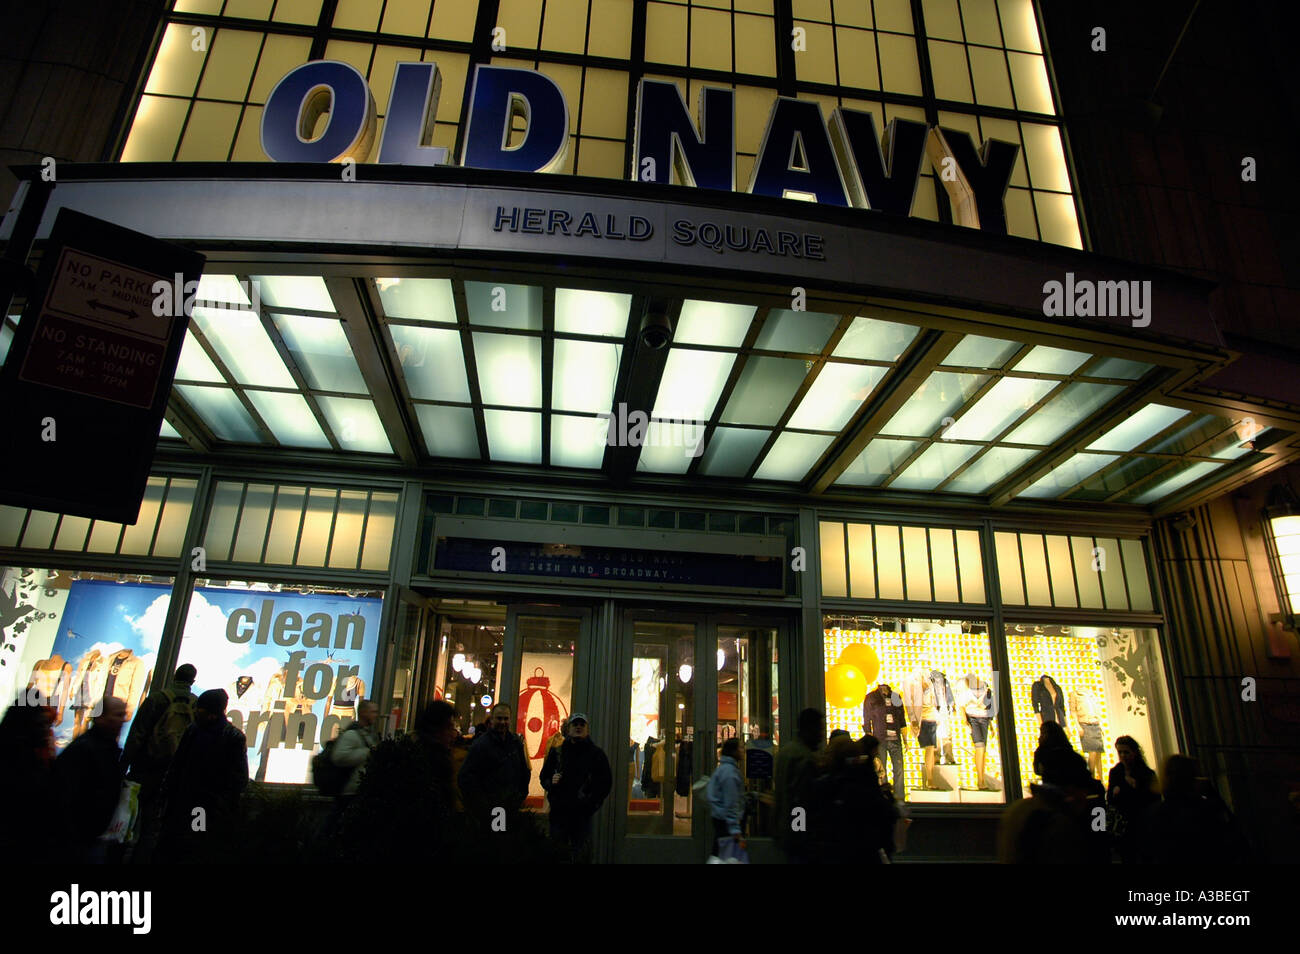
661	818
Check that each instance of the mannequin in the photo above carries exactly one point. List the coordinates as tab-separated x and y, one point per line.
883	718
945	705
51	677
1048	700
87	687
1087	713
977	704
923	716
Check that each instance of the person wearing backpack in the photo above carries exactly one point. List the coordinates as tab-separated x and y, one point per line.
337	768
150	747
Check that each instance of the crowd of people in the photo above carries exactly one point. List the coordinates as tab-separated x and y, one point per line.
434	791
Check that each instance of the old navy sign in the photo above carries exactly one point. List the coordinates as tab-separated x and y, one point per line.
848	163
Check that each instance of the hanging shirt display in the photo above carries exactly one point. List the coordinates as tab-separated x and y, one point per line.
1048	700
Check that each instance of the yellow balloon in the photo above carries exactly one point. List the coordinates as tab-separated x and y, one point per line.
846	687
864	658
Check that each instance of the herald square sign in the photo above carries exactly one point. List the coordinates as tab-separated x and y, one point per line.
848	163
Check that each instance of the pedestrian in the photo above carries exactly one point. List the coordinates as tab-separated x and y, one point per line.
794	771
351	750
155	735
849	820
28	806
1130	795
496	773
436	732
1052	737
1191	825
203	784
1055	825
577	779
89	777
726	793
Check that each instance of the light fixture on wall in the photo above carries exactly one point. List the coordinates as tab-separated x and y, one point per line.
1281	523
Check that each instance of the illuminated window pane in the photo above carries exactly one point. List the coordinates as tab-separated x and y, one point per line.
836	396
514	436
980	18
504	306
1135	571
831	540
755	48
1085	573
448	431
665	33
816	64
972	566
691	384
1045	360
856	53
992	82
935	465
942	21
355	424
155	130
948	65
877	461
898	65
453	20
1074	471
763	390
1057	219
993	467
211	7
604	104
358	15
297	11
792	456
380	523
177	66
248	141
1071	407
249	9
889	563
1139	428
916	562
862	564
578	441
244	346
175	518
209	133
584	375
1046	157
295	291
195	365
819	10
1037	592
166	430
356	55
345	546
230	65
752	108
1119	368
321	350
731	451
289	418
1019	207
1183	477
1019	25
1062	571
1007	131
611	29
602	159
410	18
521	19
432	361
710	40
940	396
803	332
220	409
584	312
713	323
976	351
452	67
419	299
875	340
893	15
73	530
1029	77
510	369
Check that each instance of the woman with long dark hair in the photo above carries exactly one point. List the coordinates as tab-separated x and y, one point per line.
1130	795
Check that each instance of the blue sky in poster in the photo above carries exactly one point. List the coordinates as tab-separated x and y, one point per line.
103	619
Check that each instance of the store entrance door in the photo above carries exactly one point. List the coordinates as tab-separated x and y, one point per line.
687	682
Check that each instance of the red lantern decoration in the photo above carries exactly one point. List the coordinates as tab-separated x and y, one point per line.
540	713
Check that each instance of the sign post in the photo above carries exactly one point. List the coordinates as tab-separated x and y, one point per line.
90	370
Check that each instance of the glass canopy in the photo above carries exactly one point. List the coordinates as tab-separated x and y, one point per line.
528	374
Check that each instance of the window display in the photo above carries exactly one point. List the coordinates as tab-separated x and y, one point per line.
471	644
926	690
545	696
662	719
294	662
78	638
747	709
1098	683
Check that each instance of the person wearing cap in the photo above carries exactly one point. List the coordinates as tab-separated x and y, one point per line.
577	779
209	773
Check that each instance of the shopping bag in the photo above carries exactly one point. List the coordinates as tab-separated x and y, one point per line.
125	816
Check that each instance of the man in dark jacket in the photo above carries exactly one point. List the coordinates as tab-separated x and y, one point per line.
144	758
203	785
884	718
495	773
90	781
795	771
577	779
